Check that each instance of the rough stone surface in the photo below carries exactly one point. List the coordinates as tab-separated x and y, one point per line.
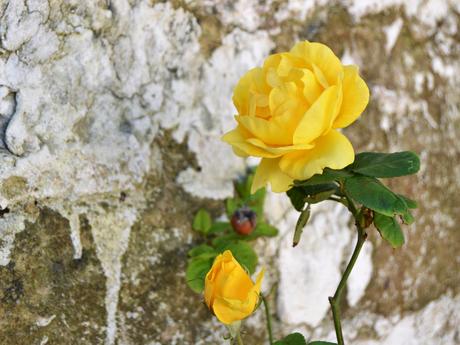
110	118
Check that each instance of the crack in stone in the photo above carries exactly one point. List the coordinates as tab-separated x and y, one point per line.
8	105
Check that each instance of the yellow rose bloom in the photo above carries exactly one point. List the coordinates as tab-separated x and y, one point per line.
229	291
289	111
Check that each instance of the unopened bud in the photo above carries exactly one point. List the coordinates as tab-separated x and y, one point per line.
243	221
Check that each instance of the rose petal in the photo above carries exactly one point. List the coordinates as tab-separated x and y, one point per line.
320	76
229	310
311	87
242	147
321	56
237	285
269	171
332	150
211	276
279	150
286	98
250	85
317	120
277	131
287	64
355	97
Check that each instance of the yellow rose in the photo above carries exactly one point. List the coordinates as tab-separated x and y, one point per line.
229	291
289	111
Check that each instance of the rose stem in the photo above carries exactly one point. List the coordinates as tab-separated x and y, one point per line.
268	319
335	300
238	339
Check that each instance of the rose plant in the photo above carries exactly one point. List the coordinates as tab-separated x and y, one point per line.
290	112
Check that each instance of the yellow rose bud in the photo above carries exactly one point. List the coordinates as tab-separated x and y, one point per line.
289	111
229	291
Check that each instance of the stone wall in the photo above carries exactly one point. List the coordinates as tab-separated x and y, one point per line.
110	118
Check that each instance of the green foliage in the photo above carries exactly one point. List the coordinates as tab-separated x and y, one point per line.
220	236
201	249
243	186
314	193
197	268
244	197
321	196
244	254
264	229
256	202
292	339
389	229
328	176
219	227
409	202
231	205
202	221
359	184
220	242
312	190
358	188
297	197
371	193
407	217
386	164
301	222
261	230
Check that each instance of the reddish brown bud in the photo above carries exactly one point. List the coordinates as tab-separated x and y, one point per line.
243	221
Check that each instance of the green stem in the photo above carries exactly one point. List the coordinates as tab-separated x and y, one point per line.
268	319
335	300
238	339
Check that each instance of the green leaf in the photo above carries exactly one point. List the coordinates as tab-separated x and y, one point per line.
321	196
409	202
243	186
202	221
312	194
328	176
264	229
389	229
197	269
292	339
371	193
231	205
256	202
319	188
297	197
244	254
222	241
219	227
386	164
201	249
301	222
337	174
407	218
321	343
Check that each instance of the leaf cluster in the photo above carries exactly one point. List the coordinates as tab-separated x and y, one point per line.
359	183
298	339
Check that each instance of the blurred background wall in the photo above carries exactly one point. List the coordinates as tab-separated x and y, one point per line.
110	118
